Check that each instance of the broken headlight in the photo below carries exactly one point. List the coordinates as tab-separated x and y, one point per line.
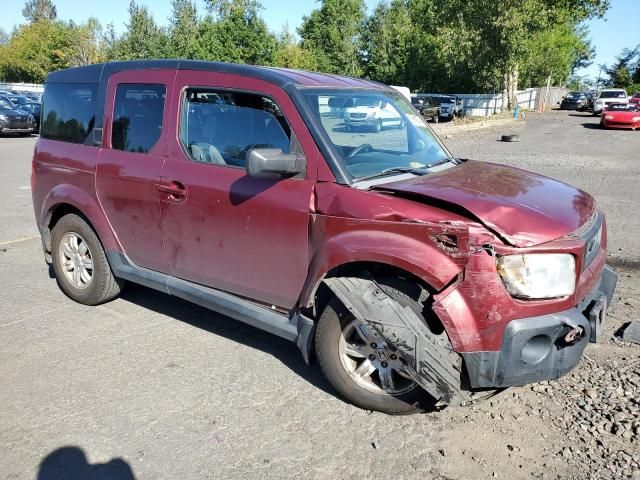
538	275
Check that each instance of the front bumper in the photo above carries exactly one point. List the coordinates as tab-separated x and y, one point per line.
360	122
572	106
16	127
624	126
535	349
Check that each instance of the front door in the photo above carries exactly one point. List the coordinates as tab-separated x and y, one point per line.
130	162
222	228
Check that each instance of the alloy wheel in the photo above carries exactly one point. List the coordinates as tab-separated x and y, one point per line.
76	260
371	363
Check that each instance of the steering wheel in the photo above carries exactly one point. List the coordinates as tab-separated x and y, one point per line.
365	147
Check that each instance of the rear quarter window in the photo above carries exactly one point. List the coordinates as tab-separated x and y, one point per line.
68	112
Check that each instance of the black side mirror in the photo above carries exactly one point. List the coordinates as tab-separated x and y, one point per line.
272	163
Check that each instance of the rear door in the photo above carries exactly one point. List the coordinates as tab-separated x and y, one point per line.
130	162
222	228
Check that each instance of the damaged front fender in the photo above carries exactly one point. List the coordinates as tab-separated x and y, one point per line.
428	358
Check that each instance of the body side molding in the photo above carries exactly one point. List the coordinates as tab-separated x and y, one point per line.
216	300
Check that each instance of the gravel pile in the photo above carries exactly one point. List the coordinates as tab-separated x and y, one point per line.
602	417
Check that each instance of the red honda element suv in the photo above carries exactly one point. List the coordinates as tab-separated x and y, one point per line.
412	277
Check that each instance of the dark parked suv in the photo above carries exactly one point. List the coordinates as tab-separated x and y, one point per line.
411	275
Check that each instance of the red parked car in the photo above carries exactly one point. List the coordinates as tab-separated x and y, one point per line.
621	115
635	98
411	275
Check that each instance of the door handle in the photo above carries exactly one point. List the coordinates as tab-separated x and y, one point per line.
174	189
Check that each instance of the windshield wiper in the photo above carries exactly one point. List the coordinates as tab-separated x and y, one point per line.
389	171
414	170
457	161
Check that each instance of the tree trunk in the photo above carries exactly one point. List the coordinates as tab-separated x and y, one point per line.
511	86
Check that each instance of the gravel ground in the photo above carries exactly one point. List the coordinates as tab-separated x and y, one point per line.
152	387
590	419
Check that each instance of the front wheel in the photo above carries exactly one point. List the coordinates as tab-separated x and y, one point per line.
360	365
80	264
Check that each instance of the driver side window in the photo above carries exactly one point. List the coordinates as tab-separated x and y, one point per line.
221	126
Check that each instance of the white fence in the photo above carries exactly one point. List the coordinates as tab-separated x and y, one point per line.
473	104
485	104
23	87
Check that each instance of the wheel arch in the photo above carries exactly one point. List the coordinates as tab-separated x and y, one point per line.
322	294
67	199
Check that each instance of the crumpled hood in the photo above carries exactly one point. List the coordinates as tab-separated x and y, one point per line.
524	208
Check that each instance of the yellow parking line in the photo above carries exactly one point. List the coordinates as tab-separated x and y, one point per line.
25	239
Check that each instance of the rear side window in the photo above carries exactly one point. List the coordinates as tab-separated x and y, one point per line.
68	112
220	126
137	117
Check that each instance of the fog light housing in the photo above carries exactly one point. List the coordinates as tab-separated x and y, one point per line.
536	349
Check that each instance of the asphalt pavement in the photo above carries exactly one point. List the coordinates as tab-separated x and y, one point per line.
151	387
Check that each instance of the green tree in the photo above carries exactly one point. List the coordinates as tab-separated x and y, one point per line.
183	29
142	38
36	49
479	45
332	33
86	48
557	52
625	69
386	42
234	32
289	54
37	10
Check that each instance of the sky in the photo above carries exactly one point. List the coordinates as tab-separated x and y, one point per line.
619	29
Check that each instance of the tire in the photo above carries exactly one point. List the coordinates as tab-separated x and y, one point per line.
510	138
378	126
87	285
436	118
333	322
348	128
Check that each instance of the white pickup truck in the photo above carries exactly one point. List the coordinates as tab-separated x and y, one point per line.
607	96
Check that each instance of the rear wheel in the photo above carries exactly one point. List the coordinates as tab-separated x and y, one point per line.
80	264
359	364
378	126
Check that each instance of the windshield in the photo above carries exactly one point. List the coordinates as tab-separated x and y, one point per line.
622	107
390	136
366	101
575	95
614	94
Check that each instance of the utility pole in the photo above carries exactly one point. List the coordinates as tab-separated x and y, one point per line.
599	81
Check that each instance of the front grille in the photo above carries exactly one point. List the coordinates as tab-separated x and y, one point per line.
357	115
